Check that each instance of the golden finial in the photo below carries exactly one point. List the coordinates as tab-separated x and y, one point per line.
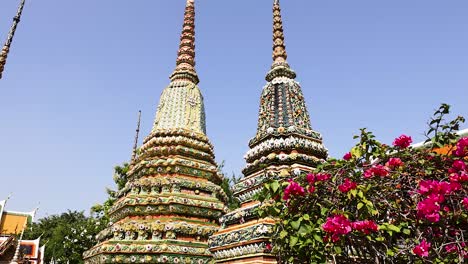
11	34
185	65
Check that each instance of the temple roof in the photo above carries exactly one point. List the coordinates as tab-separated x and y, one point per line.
13	223
11	34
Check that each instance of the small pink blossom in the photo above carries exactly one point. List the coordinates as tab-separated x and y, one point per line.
311	189
465	202
366	226
348	156
394	163
422	249
323	176
451	248
459	165
337	226
293	189
377	170
347	186
310	178
462	147
459	177
402	141
429	209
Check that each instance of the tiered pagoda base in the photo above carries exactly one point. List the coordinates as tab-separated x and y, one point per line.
169	207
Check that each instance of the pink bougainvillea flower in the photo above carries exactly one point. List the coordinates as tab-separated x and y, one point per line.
293	189
394	163
337	226
323	176
311	189
465	202
377	170
451	248
347	186
422	249
429	209
462	147
438	187
348	156
459	165
459	177
366	226
402	141
310	178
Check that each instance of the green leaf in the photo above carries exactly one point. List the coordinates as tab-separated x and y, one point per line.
337	249
360	194
390	253
360	205
296	224
406	231
394	228
283	234
306	217
323	211
275	186
293	241
318	238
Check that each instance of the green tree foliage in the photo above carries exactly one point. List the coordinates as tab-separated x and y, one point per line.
379	204
120	179
227	184
66	235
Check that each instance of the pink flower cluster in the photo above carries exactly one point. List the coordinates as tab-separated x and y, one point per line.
402	141
435	192
339	225
348	156
377	170
454	247
366	226
312	178
347	186
458	172
293	189
462	147
394	163
465	202
422	249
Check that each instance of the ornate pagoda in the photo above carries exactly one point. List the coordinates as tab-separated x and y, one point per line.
285	145
6	47
172	201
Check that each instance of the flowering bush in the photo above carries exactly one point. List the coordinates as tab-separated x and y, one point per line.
379	204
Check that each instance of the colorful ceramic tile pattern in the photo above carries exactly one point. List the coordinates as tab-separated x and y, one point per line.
285	145
172	201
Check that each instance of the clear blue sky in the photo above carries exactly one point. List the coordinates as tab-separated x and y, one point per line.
79	71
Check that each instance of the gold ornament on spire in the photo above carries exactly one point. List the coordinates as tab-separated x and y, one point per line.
185	65
279	47
11	34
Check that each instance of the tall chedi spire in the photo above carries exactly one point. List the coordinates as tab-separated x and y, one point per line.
11	34
285	146
172	201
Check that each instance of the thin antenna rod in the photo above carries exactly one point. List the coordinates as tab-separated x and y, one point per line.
134	154
6	48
